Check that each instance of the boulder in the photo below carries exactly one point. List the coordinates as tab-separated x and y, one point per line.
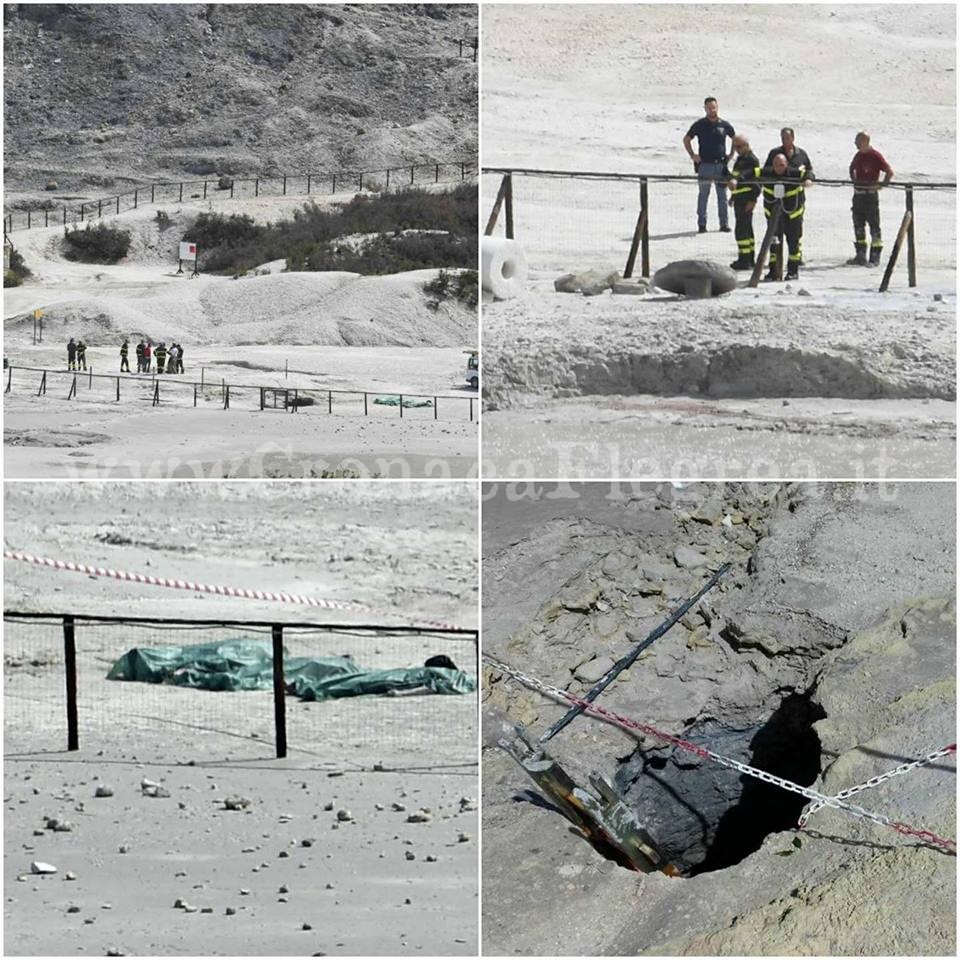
587	282
695	278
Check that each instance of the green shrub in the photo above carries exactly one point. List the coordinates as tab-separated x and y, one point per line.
102	243
308	241
463	286
18	266
10	279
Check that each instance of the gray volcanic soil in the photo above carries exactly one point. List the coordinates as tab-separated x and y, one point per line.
100	97
375	884
826	655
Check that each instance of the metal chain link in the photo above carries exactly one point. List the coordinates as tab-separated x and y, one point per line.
823	800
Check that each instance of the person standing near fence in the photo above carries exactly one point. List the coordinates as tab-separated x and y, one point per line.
81	355
744	191
140	357
71	354
124	351
179	358
147	356
710	161
796	157
161	354
865	169
783	190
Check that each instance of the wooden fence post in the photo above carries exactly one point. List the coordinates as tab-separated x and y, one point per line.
9	378
181	192
645	234
412	175
471	409
772	224
892	262
911	248
329	401
43	384
279	692
256	186
73	389
118	203
118	390
70	671
365	410
284	184
194	394
156	394
497	204
635	243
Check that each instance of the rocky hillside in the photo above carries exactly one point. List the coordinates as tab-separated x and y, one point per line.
99	97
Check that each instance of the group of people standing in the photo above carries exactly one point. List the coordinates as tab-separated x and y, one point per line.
782	181
168	359
76	354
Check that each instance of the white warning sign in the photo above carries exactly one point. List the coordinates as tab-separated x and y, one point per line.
188	251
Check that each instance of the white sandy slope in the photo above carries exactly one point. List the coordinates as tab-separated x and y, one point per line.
561	104
289	330
408	549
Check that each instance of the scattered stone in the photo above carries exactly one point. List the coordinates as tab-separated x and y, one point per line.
38	833
631	287
52	185
328	805
687	558
430	858
73	909
230	911
38	866
938	297
236	803
124	848
283	854
179	903
378	806
467	803
587	282
410	855
593	670
407	901
803	292
306	926
189	908
283	888
344	816
464	838
695	278
206	909
421	816
399	807
114	952
244	892
103	791
306	842
69	875
329	886
225	183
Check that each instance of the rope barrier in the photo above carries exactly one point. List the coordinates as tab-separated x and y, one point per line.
225	591
836	803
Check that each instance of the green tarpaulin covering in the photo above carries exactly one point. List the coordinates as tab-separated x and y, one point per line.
407	401
248	665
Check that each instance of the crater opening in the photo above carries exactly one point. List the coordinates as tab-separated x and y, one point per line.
705	817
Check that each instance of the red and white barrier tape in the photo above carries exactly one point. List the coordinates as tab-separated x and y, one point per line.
241	592
822	799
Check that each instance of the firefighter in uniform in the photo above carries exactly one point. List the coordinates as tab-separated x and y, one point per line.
161	354
81	355
124	350
743	199
865	169
140	357
791	204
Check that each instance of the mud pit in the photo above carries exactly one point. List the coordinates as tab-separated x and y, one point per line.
825	656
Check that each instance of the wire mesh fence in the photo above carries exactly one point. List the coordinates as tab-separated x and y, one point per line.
171	722
387	179
569	221
86	386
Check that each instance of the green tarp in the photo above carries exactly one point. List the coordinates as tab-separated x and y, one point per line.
407	401
248	665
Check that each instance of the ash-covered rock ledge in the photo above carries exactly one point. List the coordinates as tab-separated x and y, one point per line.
826	656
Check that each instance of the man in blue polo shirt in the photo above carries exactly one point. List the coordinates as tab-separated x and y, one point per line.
710	162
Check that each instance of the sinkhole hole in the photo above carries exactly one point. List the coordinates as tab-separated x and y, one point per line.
706	817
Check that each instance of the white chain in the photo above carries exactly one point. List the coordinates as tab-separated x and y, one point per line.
878	779
837	803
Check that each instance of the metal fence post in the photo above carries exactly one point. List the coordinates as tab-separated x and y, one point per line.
194	394
284	184
508	204
279	693
9	378
99	208
118	389
365	412
118	203
308	184
70	664
401	406
645	233
412	175
434	408
388	178
156	393
329	401
471	409
256	187
204	189
28	219
181	192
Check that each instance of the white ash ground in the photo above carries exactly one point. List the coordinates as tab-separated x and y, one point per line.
830	338
847	590
401	548
323	331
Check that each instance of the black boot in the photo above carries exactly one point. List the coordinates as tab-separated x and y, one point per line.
875	256
860	260
793	272
741	263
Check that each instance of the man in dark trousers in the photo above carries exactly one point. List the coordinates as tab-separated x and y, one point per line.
865	169
796	157
744	191
710	161
71	355
140	357
81	355
783	189
124	351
